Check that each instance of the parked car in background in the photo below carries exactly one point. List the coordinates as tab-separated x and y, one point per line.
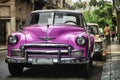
98	40
51	37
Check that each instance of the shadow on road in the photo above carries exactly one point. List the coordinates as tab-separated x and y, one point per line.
61	71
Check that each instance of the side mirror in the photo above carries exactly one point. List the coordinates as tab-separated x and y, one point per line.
21	26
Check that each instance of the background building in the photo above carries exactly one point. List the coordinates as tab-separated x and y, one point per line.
13	13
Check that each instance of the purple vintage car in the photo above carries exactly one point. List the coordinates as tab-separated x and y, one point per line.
51	37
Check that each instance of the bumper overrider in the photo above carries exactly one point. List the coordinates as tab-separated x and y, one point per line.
22	55
98	51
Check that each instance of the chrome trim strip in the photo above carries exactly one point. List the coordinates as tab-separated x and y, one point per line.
16	50
45	51
45	45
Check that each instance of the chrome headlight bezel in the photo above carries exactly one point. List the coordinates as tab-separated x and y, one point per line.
80	40
12	39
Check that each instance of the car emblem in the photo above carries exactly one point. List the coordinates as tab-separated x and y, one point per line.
46	38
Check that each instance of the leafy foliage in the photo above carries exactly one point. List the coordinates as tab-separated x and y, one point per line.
93	3
101	14
79	5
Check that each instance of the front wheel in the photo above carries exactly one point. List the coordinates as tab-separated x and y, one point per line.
15	69
88	67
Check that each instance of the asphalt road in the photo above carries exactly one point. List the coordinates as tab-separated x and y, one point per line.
57	72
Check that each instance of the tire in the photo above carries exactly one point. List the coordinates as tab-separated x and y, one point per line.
15	69
98	57
88	67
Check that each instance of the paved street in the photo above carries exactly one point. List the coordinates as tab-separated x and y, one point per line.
57	72
111	69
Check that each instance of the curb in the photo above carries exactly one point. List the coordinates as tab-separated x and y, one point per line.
3	49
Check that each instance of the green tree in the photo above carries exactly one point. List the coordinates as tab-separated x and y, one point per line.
79	5
101	15
93	3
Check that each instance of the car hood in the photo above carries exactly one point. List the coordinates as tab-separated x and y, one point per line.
51	33
97	38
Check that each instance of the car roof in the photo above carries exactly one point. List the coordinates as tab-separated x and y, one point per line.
57	10
92	24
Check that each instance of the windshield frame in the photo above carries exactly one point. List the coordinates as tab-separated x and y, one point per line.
79	16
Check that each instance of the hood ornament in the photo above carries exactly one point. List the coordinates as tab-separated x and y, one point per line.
47	38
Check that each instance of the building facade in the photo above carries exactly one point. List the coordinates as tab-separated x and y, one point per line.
13	13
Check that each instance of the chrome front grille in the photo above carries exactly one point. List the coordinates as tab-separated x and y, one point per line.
46	49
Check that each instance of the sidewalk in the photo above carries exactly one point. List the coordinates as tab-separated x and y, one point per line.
3	47
111	68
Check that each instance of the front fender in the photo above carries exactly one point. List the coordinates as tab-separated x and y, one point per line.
84	48
21	40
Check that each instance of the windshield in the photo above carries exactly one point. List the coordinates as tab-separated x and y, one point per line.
94	29
55	18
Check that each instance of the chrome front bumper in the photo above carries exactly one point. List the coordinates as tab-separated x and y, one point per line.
46	61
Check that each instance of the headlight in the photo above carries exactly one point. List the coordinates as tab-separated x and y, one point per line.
80	40
13	39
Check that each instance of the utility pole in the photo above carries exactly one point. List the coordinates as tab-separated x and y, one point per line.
117	6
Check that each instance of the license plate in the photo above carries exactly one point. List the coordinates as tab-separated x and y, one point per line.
43	61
